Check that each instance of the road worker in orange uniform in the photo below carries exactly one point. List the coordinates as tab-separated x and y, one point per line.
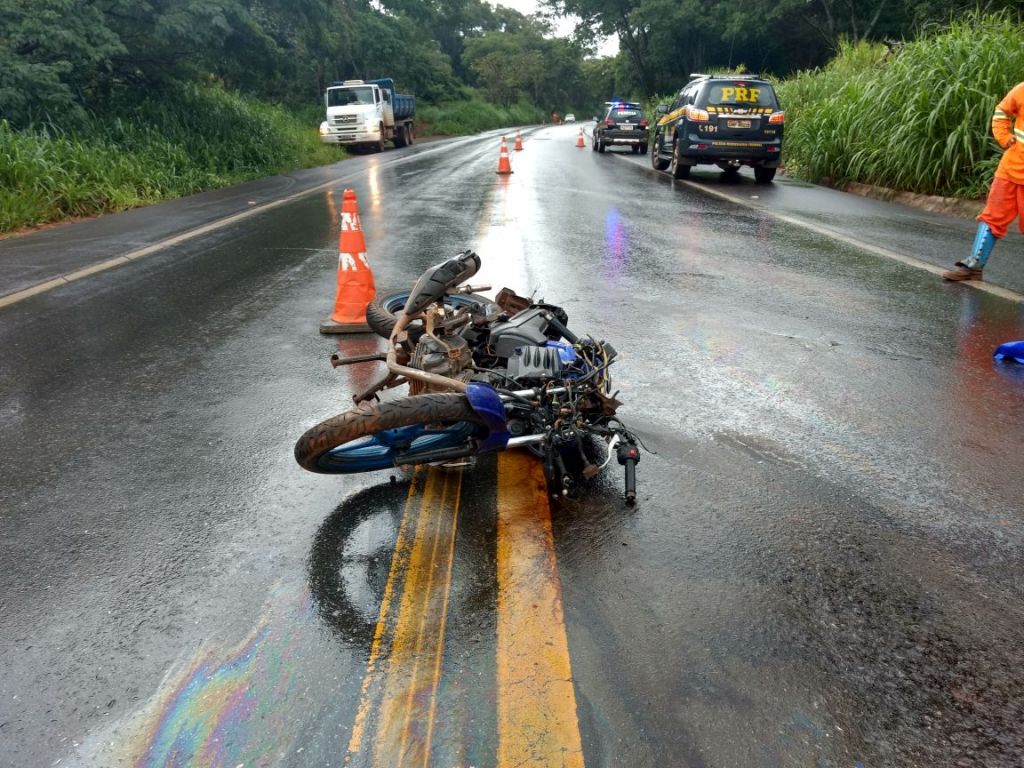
1006	195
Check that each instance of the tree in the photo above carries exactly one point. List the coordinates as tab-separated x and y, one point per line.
663	41
395	46
614	17
54	58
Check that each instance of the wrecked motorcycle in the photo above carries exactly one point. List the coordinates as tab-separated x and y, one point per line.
483	375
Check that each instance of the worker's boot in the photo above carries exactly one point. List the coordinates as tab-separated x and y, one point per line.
971	267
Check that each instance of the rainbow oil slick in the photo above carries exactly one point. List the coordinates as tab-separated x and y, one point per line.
231	704
205	717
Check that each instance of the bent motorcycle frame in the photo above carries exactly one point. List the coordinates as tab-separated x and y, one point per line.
485	400
490	406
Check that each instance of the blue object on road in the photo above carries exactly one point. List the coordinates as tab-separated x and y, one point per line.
1011	350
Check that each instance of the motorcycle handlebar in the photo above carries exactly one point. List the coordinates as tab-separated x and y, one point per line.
629	456
630	481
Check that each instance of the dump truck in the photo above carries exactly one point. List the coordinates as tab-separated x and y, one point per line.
367	113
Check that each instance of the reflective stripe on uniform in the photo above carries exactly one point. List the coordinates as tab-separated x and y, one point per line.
1019	134
1000	115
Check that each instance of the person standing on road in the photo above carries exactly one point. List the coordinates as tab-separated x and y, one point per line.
1006	195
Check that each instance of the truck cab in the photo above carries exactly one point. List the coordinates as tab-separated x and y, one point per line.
367	113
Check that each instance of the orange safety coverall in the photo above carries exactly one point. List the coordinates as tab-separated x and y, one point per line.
1006	195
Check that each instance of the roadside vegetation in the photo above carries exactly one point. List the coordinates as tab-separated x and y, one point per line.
185	142
913	117
472	115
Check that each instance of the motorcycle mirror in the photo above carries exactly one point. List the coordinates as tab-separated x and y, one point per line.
436	281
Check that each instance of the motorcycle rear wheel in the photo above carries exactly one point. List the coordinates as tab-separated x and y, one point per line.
373	436
382	313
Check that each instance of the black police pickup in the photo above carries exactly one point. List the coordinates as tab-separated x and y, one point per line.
723	120
623	123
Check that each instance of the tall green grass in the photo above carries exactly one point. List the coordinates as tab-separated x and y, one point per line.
473	115
188	140
913	118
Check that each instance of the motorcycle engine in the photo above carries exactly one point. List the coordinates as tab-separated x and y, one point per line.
535	364
449	356
529	328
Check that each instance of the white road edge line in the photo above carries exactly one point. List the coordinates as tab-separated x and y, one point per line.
127	258
910	261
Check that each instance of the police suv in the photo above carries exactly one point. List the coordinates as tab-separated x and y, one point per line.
623	124
723	120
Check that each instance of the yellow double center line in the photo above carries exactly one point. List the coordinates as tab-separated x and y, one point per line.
399	695
537	724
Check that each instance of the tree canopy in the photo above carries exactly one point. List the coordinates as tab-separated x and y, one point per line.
663	41
62	59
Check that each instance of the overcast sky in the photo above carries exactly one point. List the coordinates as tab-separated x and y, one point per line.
609	47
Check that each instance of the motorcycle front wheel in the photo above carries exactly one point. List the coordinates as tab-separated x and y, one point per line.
373	436
382	313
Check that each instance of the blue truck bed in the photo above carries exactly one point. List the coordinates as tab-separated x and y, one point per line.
402	104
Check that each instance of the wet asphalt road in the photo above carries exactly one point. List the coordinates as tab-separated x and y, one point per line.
824	567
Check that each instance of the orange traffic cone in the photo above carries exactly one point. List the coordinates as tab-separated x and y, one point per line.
355	278
518	147
504	165
579	140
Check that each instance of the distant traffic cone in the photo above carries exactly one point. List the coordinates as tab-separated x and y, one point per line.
579	140
504	165
355	278
518	147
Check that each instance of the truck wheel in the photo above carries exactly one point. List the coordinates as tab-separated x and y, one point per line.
408	134
379	146
643	149
764	175
400	138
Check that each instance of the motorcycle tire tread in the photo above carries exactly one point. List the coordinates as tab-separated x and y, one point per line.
382	321
378	318
369	418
